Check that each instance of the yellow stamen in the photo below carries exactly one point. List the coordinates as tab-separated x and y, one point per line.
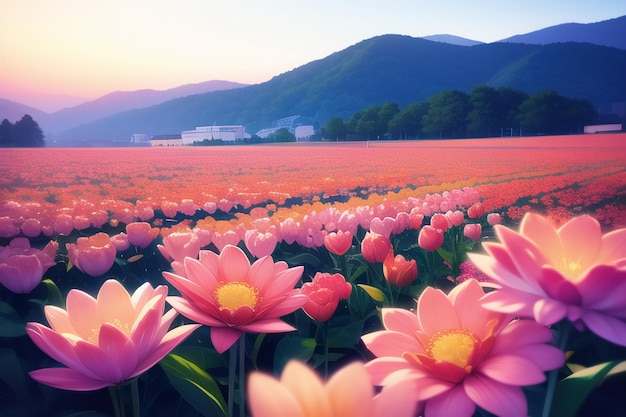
232	295
454	346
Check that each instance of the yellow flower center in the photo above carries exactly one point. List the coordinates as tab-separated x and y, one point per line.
95	332
570	268
454	346
232	295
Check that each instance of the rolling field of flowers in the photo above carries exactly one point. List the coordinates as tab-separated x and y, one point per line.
486	276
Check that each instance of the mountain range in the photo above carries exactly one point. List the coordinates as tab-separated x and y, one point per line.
578	61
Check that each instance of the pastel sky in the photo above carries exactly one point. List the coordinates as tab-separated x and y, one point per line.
84	49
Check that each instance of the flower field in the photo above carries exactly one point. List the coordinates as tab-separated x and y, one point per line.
237	261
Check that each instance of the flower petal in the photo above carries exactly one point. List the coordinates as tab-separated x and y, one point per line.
451	403
607	327
400	320
497	398
234	265
268	397
224	337
67	379
435	312
350	391
308	388
390	343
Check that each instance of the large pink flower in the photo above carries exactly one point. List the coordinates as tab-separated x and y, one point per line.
458	355
107	340
572	272
301	393
227	293
23	267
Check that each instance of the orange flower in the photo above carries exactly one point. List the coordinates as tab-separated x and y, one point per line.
398	271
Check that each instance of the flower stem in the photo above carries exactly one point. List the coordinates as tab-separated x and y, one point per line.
232	365
134	388
242	360
325	336
560	340
116	399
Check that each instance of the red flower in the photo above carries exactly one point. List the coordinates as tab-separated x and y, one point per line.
324	293
374	247
398	271
338	242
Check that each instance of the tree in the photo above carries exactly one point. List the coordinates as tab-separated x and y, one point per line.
335	129
407	124
447	115
544	113
486	115
282	135
27	133
6	134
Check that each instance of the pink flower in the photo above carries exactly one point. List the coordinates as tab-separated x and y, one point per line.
458	355
120	241
324	293
455	218
141	234
261	244
107	340
179	245
227	293
22	267
494	218
338	242
374	247
439	221
301	393
430	239
221	240
573	272
473	231
93	255
475	211
398	271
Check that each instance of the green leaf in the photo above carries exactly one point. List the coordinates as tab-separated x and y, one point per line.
203	357
196	386
11	324
304	258
54	294
572	391
344	333
254	356
292	347
12	374
357	273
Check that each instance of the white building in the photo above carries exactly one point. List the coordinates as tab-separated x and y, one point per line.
229	133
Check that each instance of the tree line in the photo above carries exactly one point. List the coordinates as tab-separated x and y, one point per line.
25	133
484	112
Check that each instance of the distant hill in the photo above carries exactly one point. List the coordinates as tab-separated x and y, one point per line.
105	106
452	40
394	68
607	33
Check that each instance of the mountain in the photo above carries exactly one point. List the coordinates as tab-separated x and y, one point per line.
13	111
394	68
607	33
105	106
451	39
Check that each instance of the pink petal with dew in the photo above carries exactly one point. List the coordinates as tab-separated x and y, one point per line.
268	397
558	287
293	301
146	334
224	337
59	320
471	314
400	320
397	401
261	273
350	391
542	233
612	250
519	333
582	239
82	310
452	403
172	339
604	289
548	311
234	265
380	368
308	388
508	301
607	327
527	257
191	311
114	303
120	349
435	312
202	276
267	326
67	379
511	369
57	347
545	357
282	282
391	343
497	398
498	271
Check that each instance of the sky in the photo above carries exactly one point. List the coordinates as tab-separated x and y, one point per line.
55	54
